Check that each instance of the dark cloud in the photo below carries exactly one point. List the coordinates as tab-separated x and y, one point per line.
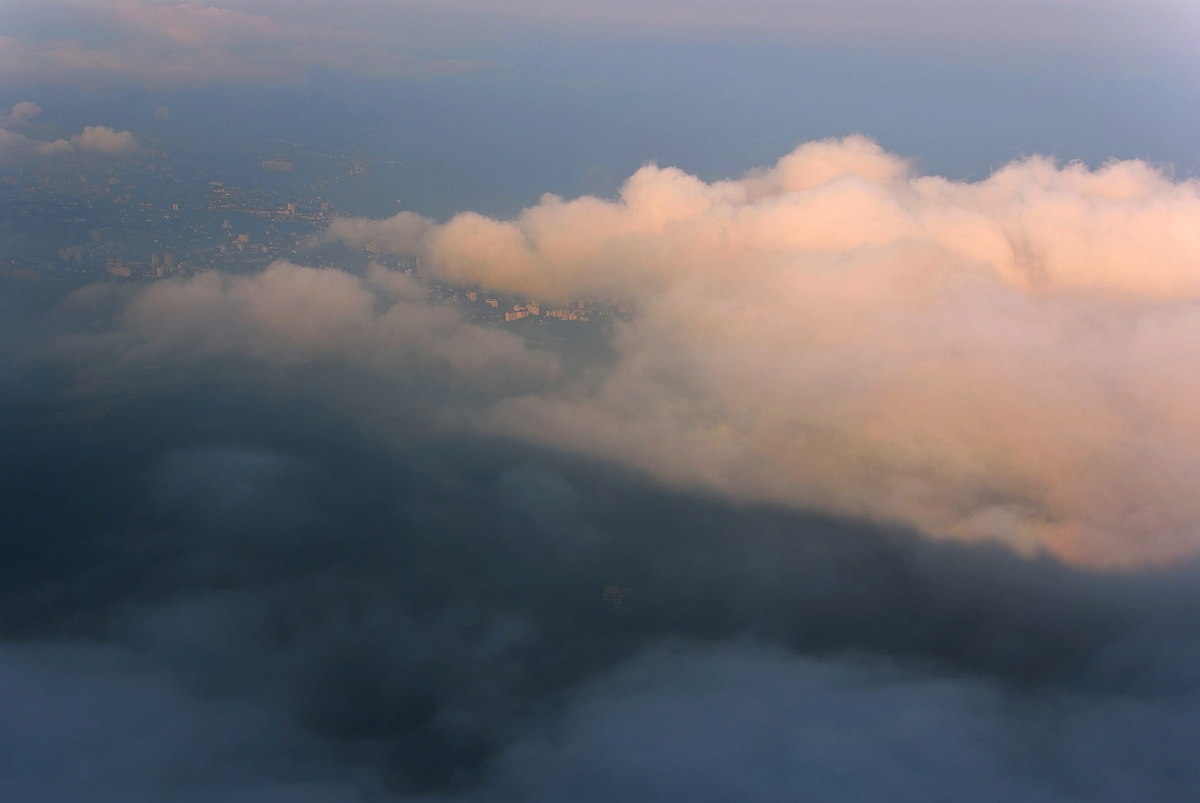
747	723
222	585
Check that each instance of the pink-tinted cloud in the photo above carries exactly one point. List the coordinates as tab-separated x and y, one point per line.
293	314
1002	359
195	43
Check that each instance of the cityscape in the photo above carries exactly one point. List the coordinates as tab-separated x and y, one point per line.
154	215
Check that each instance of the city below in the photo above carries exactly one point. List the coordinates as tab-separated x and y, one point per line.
150	216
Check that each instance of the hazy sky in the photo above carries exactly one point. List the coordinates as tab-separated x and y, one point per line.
889	452
510	100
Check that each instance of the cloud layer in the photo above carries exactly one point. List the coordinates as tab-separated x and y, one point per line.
999	359
251	552
224	589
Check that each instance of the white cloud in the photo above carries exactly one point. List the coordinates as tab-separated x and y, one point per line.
102	139
1002	359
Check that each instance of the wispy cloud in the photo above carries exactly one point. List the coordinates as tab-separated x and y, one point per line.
269	41
191	43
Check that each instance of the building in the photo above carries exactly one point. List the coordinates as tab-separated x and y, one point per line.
278	165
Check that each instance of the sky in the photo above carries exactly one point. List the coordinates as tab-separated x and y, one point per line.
502	102
872	475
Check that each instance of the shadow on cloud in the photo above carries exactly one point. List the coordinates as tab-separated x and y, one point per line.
223	582
303	534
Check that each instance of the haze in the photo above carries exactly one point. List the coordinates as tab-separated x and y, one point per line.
567	401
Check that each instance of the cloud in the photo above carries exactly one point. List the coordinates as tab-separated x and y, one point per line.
13	145
270	42
241	561
741	722
246	594
16	147
21	113
90	722
190	43
232	516
997	359
102	139
194	24
289	314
